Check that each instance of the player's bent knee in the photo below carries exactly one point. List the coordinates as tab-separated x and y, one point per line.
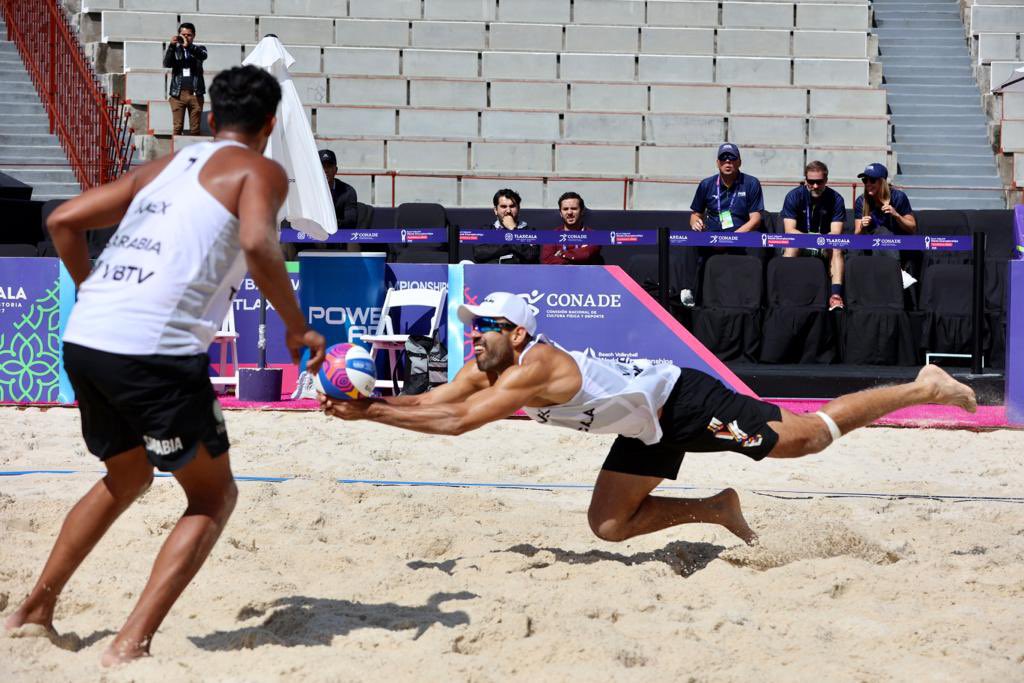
611	530
127	488
229	501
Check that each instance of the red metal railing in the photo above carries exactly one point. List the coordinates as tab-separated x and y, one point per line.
92	127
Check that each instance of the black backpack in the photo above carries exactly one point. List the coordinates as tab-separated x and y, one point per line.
426	364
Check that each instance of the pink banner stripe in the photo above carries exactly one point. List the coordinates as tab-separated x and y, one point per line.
680	331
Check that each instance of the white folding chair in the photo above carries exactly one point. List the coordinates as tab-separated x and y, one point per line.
385	338
227	336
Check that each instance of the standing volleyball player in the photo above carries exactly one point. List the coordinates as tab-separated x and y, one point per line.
135	345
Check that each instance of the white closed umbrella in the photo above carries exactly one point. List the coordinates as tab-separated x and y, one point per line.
309	206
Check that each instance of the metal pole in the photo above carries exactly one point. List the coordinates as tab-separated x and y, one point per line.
663	296
978	302
261	335
453	244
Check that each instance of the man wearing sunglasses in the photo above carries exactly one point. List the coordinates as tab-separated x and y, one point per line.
728	201
815	208
658	412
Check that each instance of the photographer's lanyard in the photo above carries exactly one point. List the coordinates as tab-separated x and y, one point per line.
808	210
725	217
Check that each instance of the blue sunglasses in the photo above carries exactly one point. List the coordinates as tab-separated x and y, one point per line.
485	325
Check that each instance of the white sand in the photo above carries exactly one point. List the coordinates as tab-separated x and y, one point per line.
317	581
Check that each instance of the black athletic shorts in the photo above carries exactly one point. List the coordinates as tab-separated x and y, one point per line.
701	415
165	403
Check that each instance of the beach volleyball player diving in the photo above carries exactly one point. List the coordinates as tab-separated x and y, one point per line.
135	344
659	412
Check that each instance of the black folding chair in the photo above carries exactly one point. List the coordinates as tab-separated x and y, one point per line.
728	321
797	325
876	329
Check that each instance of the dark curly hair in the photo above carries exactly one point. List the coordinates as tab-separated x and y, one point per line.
243	97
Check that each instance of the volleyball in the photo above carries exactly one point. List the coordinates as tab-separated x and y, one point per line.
348	372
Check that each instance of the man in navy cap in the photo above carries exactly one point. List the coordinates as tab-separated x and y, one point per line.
729	201
343	194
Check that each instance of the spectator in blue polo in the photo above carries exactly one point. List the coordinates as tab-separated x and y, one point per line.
888	209
729	201
814	208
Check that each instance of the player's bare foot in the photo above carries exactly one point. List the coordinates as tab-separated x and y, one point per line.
947	391
730	515
26	623
122	653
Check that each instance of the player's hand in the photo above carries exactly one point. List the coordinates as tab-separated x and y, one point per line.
306	339
865	221
697	224
174	40
887	209
344	410
509	221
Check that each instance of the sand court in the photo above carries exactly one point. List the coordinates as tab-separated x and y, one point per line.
321	581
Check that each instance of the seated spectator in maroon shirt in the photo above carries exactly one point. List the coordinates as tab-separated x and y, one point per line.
572	210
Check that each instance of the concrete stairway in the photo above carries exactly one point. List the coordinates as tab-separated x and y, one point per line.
27	150
939	127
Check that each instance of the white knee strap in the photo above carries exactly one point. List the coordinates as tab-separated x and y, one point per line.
833	428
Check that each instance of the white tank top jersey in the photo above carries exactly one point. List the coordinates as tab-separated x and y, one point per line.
615	398
166	278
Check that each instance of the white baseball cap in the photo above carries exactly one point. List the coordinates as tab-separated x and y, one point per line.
501	305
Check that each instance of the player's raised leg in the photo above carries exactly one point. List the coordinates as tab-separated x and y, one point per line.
211	492
621	507
129	474
805	434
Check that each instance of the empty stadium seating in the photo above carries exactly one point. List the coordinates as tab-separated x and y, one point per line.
547	89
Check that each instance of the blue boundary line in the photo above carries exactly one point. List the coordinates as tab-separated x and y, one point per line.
578	487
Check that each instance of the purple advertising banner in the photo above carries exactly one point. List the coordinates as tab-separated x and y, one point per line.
30	320
678	238
385	236
595	309
602	238
774	240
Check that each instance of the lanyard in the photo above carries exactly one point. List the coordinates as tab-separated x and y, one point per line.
808	210
718	193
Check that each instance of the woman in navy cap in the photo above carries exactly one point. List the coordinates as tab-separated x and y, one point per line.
888	209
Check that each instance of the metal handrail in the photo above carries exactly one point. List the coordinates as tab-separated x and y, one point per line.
92	126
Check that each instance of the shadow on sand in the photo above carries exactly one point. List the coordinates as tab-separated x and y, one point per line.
302	621
684	558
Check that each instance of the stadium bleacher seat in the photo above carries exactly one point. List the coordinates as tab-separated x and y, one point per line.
595	87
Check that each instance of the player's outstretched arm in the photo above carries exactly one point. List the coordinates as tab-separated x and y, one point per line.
513	390
263	191
467	382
